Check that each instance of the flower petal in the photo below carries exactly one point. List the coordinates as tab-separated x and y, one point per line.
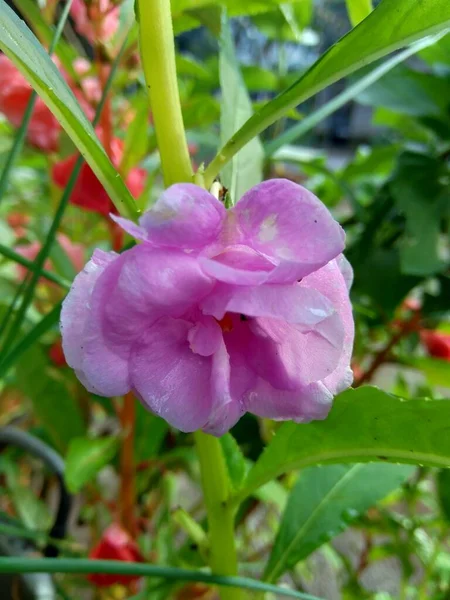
185	216
131	228
172	381
333	284
227	409
151	283
292	303
76	307
303	405
205	337
237	264
289	225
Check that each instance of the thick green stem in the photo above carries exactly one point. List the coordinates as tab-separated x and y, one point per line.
217	492
158	58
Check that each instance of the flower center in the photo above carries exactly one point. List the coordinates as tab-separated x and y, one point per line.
226	323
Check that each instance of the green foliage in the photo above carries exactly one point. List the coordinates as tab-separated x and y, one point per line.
17	41
365	424
390	193
53	404
85	458
237	467
358	10
245	169
397	25
323	503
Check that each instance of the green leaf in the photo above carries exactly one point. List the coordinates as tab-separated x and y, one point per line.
358	10
410	92
48	321
443	491
352	91
234	459
136	139
436	370
22	47
245	169
389	27
32	511
420	191
322	504
364	425
85	458
149	434
52	403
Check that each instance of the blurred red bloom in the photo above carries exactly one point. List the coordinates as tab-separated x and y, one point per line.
43	130
437	343
74	251
115	544
56	354
95	23
18	221
88	192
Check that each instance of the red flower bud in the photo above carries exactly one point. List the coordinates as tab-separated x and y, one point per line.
88	192
437	343
115	544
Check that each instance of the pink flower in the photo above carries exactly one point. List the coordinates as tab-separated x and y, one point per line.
75	252
95	23
43	130
88	192
218	312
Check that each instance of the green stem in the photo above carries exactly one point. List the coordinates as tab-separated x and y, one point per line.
83	566
217	492
158	58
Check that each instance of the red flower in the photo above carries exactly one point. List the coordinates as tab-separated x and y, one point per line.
115	544
88	192
56	354
43	130
437	343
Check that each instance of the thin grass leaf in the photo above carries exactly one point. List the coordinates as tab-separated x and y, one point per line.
84	566
29	264
46	323
22	131
44	252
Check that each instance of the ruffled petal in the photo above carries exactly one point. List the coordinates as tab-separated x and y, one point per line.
151	283
76	307
227	408
308	403
239	265
129	227
185	216
205	337
292	303
172	381
290	226
332	283
105	365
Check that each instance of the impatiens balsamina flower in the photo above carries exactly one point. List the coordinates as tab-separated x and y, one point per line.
15	92
218	312
88	192
437	343
115	544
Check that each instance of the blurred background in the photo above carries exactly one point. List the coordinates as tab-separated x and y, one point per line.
377	155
